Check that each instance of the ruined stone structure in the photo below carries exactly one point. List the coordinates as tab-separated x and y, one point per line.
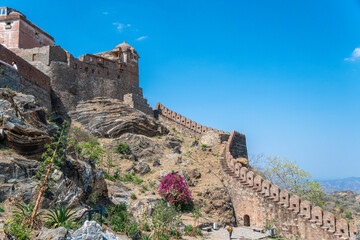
112	74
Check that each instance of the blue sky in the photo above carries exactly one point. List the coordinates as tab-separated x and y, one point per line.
285	73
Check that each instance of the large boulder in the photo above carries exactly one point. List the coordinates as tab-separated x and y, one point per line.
91	230
52	234
111	118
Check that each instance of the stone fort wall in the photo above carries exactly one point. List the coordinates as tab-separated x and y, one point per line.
31	80
186	125
74	80
258	203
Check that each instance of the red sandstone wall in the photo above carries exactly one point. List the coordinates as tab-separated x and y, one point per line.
261	201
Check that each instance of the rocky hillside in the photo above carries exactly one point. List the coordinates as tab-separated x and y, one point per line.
115	155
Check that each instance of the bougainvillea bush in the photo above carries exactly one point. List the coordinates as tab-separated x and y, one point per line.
175	189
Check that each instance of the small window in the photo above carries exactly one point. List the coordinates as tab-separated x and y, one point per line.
317	217
75	66
34	57
274	194
8	25
294	205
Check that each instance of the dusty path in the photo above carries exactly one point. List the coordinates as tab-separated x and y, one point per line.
238	233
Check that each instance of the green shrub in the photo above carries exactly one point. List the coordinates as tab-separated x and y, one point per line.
131	228
133	196
18	229
146	237
147	227
117	224
137	180
348	215
2	209
123	148
117	216
199	232
188	229
91	150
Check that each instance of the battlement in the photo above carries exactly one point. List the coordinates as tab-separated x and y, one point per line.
185	125
257	201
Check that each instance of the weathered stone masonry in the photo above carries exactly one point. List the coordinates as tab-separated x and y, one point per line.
257	202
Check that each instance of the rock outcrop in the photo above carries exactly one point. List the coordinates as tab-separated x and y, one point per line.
76	182
110	118
23	123
52	234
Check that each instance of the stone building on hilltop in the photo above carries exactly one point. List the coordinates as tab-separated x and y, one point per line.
112	74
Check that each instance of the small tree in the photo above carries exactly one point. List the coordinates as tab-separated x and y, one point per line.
174	189
196	214
289	176
52	159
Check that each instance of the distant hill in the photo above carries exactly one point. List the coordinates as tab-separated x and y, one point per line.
352	183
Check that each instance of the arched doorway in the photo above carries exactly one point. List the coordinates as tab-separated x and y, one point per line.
246	221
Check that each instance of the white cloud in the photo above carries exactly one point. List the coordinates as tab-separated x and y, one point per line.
105	13
142	38
121	26
354	56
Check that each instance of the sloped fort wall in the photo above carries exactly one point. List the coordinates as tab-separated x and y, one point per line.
258	203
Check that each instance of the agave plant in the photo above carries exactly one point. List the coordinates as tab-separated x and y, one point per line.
60	216
23	213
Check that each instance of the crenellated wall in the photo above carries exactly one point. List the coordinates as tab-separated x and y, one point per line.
187	126
257	203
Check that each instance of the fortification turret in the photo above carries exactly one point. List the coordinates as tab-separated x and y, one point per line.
125	53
